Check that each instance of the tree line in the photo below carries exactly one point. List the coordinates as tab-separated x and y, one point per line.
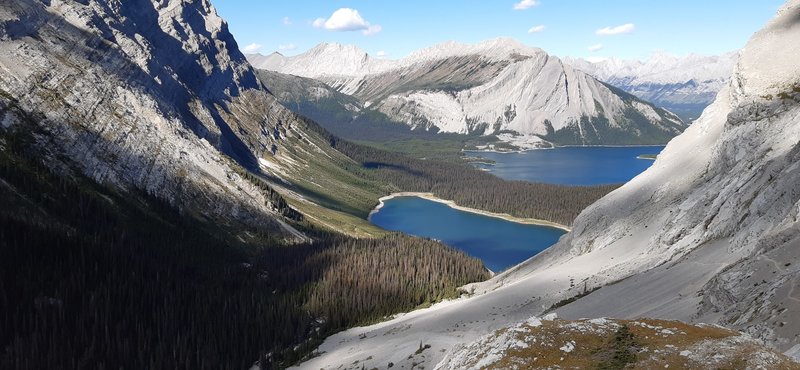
468	186
90	277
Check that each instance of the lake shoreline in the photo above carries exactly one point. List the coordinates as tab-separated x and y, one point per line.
463	150
569	166
452	204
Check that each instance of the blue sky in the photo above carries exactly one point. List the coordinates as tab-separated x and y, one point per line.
633	28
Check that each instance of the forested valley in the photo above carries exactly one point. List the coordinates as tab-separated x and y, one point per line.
93	277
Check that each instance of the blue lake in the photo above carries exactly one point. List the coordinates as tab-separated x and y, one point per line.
570	165
500	244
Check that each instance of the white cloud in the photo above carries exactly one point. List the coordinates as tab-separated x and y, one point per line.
381	54
618	30
252	48
525	4
346	19
595	47
536	29
287	47
286	21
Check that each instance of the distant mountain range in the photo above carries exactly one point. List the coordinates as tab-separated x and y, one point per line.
495	87
339	113
683	84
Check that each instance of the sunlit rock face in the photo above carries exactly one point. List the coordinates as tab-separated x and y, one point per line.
717	212
147	95
497	86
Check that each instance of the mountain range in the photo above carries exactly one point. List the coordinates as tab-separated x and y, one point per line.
684	85
495	87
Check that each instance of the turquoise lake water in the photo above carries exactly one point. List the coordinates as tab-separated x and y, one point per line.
498	243
570	165
501	244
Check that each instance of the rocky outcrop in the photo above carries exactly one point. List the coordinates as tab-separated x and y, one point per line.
607	343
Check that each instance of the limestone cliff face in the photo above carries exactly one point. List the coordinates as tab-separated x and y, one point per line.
143	94
721	204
